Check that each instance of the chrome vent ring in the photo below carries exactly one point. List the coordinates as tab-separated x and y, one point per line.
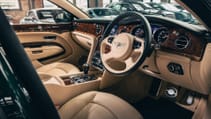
182	42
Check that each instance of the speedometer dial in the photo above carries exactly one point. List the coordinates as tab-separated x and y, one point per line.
161	35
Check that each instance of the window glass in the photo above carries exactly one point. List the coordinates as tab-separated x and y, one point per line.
43	11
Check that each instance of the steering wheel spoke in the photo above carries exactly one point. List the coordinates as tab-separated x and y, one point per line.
129	62
139	39
108	57
138	42
133	58
138	45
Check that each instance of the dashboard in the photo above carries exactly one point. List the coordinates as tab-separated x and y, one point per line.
178	49
170	37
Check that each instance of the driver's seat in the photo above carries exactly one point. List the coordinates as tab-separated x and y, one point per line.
98	105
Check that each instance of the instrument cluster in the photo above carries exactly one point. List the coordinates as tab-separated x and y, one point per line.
159	32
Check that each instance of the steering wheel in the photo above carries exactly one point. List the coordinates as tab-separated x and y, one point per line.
123	52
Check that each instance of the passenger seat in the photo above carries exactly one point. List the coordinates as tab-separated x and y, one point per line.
58	69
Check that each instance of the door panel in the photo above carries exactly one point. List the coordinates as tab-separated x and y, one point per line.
45	47
48	43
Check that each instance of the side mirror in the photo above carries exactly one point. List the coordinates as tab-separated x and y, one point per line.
90	14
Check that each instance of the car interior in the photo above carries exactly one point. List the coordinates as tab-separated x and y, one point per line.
132	67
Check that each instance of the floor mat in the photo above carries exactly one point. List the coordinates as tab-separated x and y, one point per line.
161	109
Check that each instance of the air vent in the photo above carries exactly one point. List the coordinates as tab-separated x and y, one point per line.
182	42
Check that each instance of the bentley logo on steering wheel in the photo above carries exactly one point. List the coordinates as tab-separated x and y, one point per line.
118	44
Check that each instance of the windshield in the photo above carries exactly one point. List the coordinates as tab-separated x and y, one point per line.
104	12
168	8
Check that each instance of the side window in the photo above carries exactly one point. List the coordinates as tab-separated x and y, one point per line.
30	18
35	12
47	16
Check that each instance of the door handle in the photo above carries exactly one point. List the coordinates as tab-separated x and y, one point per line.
49	37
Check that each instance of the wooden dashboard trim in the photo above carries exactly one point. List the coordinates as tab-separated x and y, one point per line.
90	28
195	48
57	28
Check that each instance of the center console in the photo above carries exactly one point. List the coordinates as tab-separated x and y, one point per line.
63	88
78	78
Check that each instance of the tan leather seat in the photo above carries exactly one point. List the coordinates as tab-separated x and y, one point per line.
58	69
98	105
